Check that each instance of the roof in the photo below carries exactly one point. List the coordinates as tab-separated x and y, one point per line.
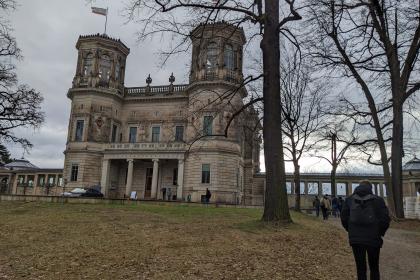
20	164
412	165
104	38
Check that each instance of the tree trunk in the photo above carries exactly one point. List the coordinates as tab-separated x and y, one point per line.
396	160
275	204
334	161
333	183
296	179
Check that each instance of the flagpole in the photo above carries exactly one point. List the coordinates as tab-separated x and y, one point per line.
106	19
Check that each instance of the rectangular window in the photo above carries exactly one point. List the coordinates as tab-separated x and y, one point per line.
114	134
208	125
79	130
74	172
60	181
179	133
133	134
175	177
41	180
51	180
205	174
155	133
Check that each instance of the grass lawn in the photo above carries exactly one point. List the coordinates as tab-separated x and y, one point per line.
67	241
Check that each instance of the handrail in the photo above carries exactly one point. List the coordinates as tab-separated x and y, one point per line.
155	89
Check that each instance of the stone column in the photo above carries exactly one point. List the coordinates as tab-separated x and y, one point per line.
180	180
106	165
56	184
35	187
26	185
129	177
15	183
319	188
155	177
305	190
348	188
381	190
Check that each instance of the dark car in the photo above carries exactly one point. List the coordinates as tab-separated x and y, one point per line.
92	193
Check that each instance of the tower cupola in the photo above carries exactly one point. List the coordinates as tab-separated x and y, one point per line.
101	62
217	53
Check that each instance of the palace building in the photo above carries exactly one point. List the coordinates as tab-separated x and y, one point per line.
173	141
167	141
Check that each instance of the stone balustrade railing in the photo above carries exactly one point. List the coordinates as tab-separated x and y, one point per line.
155	89
172	146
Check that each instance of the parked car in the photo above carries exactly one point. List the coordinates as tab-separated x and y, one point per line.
91	192
74	192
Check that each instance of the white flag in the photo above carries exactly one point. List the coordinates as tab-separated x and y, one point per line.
99	11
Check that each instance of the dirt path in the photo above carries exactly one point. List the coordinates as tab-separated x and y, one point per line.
400	254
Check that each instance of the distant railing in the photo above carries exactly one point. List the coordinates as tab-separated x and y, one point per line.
177	146
155	89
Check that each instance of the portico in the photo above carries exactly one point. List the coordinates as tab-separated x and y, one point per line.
152	175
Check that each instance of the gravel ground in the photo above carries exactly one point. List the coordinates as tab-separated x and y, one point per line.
400	253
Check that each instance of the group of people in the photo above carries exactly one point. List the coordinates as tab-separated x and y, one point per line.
327	206
366	218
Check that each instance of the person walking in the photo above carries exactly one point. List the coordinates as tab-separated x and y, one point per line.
208	195
340	206
325	207
316	204
366	219
334	204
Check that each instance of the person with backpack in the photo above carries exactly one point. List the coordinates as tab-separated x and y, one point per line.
316	204
325	207
366	219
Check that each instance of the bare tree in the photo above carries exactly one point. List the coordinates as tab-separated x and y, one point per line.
302	116
376	43
178	17
20	105
338	138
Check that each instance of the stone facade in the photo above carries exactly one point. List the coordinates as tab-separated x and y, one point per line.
162	142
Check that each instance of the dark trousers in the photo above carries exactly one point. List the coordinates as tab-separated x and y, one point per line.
359	252
317	211
324	213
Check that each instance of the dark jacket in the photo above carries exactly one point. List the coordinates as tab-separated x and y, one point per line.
362	234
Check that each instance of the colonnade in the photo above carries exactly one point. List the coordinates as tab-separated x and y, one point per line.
105	181
378	187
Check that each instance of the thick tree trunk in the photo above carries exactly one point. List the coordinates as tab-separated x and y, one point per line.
275	204
296	179
333	183
396	160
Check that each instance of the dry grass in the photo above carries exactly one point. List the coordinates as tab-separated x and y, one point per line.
55	241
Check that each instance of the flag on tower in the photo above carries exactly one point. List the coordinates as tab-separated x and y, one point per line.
100	11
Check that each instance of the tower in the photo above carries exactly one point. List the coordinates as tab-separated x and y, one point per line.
215	92
217	53
96	102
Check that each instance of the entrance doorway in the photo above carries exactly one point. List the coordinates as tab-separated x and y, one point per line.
148	186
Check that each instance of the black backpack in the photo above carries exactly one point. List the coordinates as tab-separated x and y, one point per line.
362	210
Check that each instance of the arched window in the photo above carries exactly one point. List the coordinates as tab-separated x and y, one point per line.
229	57
117	71
212	54
88	64
105	68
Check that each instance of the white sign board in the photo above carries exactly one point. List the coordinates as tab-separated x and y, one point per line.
133	195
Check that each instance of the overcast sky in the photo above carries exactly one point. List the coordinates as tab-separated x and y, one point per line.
47	31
